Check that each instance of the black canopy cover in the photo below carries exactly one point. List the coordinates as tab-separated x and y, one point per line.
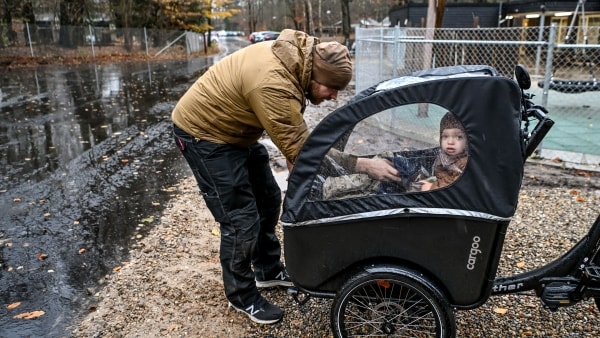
488	105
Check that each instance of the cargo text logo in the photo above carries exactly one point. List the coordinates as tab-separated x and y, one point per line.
473	253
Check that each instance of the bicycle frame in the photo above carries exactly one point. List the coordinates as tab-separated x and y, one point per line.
573	276
566	280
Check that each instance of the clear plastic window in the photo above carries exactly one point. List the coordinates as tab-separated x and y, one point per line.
409	139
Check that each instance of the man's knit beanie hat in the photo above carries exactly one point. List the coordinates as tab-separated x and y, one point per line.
332	66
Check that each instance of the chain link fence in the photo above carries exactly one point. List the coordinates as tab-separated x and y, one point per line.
563	75
52	41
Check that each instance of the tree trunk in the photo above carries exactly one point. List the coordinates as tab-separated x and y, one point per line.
429	34
71	15
309	21
250	17
320	18
7	18
439	17
427	49
346	21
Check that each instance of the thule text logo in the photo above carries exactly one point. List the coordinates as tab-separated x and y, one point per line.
473	253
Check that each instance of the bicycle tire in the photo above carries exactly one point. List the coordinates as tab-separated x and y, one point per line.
391	303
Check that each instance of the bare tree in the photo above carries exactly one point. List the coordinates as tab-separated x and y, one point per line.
8	6
297	14
71	13
123	12
320	18
346	21
251	15
309	17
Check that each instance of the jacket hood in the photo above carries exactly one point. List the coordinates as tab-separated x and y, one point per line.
294	49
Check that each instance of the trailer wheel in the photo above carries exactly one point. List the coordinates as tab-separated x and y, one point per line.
392	302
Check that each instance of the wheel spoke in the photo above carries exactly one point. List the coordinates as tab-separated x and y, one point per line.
389	308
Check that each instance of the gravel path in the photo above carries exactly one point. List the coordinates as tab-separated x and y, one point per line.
171	286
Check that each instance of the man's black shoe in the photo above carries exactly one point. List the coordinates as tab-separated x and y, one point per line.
281	279
261	312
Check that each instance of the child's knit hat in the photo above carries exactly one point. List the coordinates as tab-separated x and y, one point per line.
449	121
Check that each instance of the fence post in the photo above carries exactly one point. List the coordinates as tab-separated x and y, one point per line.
357	60
540	39
29	38
146	41
381	52
396	50
549	56
92	38
171	43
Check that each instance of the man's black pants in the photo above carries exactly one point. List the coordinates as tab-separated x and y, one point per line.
239	189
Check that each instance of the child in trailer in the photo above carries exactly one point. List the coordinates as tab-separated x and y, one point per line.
453	157
418	173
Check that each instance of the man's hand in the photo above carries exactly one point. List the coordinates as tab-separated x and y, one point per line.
377	168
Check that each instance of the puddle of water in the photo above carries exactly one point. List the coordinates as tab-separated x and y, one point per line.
85	156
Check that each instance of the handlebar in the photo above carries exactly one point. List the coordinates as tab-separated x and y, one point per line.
531	111
544	123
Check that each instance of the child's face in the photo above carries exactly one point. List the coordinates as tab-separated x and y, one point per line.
454	141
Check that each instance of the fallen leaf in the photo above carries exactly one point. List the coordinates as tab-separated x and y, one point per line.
30	315
580	199
13	305
175	327
81	251
574	192
41	256
500	310
117	269
520	264
557	160
215	232
148	219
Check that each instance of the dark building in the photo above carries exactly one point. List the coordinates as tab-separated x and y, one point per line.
524	13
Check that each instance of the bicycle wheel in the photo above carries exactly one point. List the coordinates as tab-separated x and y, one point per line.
596	261
391	303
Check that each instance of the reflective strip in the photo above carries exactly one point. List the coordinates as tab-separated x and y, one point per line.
408	80
403	211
